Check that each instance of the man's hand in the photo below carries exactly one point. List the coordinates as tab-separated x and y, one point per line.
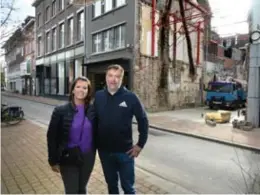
55	168
135	151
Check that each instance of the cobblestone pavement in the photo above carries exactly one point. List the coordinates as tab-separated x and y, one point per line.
186	121
25	168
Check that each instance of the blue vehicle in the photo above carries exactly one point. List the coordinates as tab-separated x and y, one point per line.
225	94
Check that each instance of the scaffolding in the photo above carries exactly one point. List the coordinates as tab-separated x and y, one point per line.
201	15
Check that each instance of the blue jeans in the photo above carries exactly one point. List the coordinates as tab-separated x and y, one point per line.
118	165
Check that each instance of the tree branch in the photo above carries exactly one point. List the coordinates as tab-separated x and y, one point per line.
11	9
189	46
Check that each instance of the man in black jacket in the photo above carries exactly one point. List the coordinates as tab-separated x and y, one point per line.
115	107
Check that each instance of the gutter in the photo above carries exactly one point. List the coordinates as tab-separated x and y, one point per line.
36	3
30	22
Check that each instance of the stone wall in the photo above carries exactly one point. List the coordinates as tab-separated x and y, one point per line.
146	81
182	91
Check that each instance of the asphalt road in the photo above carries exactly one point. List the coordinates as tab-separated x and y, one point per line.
179	162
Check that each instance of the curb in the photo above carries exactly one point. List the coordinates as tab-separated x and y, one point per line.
8	95
203	137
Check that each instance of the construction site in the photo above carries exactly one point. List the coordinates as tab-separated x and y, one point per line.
177	54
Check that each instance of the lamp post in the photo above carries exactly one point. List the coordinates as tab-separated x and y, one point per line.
254	67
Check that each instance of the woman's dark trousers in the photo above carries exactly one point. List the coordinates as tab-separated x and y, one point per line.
75	178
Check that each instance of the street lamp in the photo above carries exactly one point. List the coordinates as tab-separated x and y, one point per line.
255	36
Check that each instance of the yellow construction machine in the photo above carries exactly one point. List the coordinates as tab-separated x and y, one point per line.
220	116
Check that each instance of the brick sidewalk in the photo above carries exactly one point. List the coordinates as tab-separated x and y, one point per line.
25	168
220	133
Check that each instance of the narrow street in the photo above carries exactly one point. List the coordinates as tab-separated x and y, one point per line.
196	165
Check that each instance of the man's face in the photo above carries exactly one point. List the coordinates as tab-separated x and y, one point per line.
114	79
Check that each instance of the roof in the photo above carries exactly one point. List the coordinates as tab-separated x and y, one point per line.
28	22
12	37
36	2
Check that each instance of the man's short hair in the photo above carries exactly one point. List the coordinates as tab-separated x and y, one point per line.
116	67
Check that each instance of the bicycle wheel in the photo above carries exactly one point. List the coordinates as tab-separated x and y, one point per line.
15	119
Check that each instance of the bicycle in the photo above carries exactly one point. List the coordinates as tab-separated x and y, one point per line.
11	115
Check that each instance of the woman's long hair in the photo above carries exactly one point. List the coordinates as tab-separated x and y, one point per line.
89	95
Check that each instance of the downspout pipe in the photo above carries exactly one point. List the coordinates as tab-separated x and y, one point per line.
198	43
153	26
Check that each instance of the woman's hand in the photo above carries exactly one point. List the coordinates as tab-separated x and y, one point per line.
55	168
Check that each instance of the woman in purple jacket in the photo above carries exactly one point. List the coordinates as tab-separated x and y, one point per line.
71	150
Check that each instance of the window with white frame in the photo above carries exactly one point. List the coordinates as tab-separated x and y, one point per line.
39	19
47	13
18	50
32	45
119	36
53	8
228	42
80	26
108	5
29	47
48	42
39	45
108	39
102	6
61	4
22	51
120	3
61	35
54	39
70	31
97	8
122	36
97	42
25	48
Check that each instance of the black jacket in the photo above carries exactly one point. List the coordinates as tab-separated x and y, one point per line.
114	115
59	127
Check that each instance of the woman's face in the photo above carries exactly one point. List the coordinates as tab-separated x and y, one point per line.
81	90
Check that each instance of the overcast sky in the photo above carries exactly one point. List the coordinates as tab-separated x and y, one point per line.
226	13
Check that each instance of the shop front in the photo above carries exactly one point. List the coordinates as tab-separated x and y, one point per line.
26	77
55	78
